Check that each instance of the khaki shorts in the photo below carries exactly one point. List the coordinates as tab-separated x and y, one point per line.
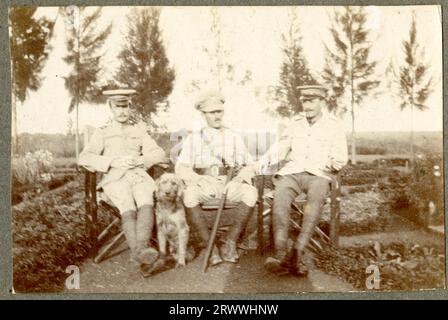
237	192
129	193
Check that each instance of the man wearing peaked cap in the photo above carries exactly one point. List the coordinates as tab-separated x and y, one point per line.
315	146
202	166
123	152
210	101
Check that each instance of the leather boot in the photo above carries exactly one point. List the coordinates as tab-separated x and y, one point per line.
296	264
277	264
145	223
199	223
228	250
128	224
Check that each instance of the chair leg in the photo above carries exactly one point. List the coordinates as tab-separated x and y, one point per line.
260	227
316	244
106	250
107	229
335	211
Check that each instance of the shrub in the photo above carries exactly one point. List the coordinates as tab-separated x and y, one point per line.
425	189
419	192
402	266
49	233
34	167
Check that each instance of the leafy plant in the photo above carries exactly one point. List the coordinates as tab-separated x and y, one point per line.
34	167
50	233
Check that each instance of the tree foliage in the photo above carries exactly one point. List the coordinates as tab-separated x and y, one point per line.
348	69
414	82
28	42
294	72
412	78
84	46
144	64
219	69
29	51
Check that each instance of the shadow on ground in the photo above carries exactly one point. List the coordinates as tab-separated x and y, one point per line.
119	275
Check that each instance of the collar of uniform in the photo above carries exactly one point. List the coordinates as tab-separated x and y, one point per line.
213	131
325	117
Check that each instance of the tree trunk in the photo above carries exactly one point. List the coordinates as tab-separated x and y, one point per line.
352	88
15	137
412	136
353	135
77	135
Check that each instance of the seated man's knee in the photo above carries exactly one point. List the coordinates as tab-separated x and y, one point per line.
120	194
144	194
250	195
191	197
318	191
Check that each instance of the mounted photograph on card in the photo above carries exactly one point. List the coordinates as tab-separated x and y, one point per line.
212	149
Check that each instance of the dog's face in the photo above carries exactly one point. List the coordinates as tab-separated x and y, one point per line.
169	188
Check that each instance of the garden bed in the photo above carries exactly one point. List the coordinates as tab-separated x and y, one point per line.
361	213
401	266
50	233
20	192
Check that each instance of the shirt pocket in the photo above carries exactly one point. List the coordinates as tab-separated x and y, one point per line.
134	142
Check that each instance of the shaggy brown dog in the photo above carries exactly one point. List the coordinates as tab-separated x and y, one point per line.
172	227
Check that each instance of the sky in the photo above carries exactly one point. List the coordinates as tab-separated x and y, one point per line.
252	38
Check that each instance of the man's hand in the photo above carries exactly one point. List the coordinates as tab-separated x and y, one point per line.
135	162
235	181
126	163
260	168
209	185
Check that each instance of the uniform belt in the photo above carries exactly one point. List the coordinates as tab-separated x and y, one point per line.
213	171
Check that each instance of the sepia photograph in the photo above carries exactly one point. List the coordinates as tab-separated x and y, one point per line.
227	149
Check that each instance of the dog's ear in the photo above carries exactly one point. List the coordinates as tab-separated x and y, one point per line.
157	188
180	189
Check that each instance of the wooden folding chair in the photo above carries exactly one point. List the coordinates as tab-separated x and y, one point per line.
212	206
320	237
103	241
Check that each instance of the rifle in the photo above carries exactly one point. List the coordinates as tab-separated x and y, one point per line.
211	240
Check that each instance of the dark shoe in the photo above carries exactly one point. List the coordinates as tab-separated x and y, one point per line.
147	270
147	256
229	252
300	270
274	265
296	265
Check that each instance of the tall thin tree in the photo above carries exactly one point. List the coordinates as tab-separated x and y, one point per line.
411	77
144	64
294	71
349	70
218	68
84	42
28	39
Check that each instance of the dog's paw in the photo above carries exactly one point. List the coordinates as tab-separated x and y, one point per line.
180	264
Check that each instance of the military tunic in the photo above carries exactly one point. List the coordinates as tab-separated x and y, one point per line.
316	149
312	153
205	152
126	188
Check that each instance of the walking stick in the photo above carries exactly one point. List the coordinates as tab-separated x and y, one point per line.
211	240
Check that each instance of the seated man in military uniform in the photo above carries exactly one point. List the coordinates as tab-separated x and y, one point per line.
123	151
201	165
315	146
